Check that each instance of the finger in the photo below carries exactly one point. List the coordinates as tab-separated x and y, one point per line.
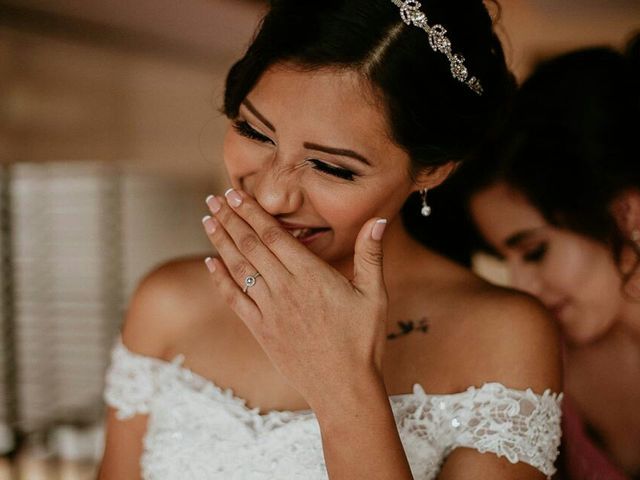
236	264
367	262
245	238
291	253
239	302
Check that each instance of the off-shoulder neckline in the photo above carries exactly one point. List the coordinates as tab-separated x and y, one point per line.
418	391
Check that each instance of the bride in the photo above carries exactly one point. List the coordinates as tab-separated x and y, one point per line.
323	341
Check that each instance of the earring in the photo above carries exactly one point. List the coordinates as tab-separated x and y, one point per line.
426	209
635	236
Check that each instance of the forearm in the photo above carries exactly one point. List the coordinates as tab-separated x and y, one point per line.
359	435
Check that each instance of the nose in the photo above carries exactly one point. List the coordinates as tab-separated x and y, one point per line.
277	189
525	278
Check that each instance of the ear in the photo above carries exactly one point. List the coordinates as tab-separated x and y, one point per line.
626	212
431	177
625	209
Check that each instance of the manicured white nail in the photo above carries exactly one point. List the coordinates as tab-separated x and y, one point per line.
210	265
233	198
378	228
209	224
214	204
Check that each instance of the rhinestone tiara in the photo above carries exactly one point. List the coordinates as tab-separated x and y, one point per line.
411	14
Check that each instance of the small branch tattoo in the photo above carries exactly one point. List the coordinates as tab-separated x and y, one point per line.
409	326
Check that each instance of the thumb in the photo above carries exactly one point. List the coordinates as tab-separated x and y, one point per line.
367	262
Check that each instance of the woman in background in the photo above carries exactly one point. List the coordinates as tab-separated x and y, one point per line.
301	353
558	199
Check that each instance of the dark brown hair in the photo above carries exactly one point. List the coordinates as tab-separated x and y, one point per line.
433	116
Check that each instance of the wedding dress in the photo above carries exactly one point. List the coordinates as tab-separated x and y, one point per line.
196	430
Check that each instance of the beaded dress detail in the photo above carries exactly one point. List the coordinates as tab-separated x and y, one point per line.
196	430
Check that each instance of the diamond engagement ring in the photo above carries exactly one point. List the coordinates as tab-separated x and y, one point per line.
250	281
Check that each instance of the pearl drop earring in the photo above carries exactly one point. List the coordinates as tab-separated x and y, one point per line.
426	209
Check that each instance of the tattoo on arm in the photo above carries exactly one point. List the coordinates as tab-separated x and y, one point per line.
405	328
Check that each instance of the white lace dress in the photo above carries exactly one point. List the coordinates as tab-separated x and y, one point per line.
197	431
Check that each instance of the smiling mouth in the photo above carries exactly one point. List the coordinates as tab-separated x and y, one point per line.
306	233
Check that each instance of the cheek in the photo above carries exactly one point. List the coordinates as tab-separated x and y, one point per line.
345	208
355	204
586	270
584	275
565	270
581	271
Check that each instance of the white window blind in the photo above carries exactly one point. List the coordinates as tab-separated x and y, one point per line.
82	234
68	287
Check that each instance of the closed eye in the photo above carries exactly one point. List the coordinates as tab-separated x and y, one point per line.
246	130
536	254
335	171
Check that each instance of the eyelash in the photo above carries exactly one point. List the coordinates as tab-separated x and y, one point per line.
336	172
536	254
246	130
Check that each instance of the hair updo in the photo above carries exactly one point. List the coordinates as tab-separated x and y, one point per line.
431	115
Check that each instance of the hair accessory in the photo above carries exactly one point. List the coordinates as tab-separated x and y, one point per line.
426	209
411	14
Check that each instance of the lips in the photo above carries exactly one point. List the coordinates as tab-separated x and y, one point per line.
302	232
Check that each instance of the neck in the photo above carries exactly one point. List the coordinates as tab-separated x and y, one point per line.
396	247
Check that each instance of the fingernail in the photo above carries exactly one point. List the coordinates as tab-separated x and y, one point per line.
214	204
233	198
210	265
209	224
378	228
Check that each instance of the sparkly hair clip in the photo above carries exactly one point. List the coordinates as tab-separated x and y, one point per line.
411	14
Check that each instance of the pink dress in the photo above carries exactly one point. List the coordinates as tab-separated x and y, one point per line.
581	458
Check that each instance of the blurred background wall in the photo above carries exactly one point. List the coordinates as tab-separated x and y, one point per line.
110	139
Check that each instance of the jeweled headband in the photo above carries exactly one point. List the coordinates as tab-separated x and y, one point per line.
411	14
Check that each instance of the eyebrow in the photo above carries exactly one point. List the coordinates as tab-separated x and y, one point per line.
260	117
516	238
336	151
343	152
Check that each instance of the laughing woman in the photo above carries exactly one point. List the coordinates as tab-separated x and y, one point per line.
323	341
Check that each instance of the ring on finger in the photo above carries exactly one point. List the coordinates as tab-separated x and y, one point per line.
250	281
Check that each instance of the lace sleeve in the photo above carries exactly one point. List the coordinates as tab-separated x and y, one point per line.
130	382
519	425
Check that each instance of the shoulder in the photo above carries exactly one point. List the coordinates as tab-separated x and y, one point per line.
509	338
478	332
169	300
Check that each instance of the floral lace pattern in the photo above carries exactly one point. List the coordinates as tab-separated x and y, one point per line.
196	430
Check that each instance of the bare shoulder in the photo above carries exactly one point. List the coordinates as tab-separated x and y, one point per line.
510	338
171	299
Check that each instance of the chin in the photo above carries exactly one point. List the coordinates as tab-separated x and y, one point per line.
336	254
331	256
585	331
